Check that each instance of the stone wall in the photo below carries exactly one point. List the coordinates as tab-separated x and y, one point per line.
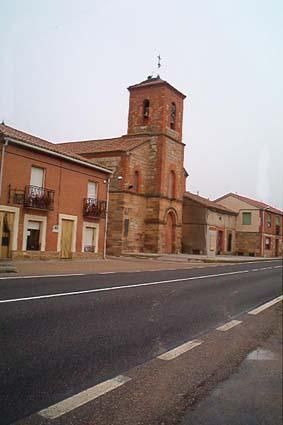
248	243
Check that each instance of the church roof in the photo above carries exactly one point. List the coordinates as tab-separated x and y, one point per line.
155	81
118	144
37	143
207	203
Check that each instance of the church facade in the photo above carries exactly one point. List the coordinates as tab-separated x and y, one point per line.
148	181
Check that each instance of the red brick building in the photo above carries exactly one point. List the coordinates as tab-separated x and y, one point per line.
146	191
52	203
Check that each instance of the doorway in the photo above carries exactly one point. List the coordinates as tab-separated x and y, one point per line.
66	238
170	234
229	242
276	247
6	234
219	247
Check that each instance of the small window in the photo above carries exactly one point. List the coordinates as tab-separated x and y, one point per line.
126	227
246	218
173	116
268	220
136	182
171	185
146	109
267	243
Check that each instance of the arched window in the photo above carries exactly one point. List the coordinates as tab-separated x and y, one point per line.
171	185
173	116
136	182
146	108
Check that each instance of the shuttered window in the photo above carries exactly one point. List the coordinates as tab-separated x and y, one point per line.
37	176
92	190
246	218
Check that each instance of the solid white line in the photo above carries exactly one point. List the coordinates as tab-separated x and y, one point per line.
115	288
172	354
277	267
229	325
41	275
107	272
266	305
82	398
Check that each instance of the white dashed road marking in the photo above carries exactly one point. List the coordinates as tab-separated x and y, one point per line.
82	398
172	354
265	306
228	325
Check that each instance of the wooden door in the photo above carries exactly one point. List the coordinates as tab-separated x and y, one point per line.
66	238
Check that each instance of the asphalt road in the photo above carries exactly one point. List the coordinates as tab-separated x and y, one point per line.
55	344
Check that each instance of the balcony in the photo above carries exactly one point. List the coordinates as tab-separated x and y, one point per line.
92	208
32	197
39	198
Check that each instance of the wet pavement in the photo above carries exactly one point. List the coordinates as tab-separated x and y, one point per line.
251	396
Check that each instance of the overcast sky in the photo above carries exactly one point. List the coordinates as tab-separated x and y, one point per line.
65	66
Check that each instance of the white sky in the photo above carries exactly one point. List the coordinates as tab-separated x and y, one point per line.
65	66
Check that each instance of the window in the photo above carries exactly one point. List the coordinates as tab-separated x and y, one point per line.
246	218
268	220
92	190
277	220
173	116
146	108
89	239
136	181
33	235
267	243
171	184
37	176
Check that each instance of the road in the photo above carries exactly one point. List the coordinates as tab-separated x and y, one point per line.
61	335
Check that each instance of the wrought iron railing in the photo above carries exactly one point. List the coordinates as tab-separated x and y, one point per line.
93	208
38	198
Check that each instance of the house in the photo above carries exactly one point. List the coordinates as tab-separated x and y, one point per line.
258	226
52	203
208	227
146	190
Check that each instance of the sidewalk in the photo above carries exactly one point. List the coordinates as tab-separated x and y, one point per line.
132	262
251	396
110	265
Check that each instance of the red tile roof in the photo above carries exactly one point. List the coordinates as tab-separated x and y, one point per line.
34	141
154	81
253	202
118	144
208	204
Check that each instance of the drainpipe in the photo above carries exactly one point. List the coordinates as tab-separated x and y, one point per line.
106	218
2	165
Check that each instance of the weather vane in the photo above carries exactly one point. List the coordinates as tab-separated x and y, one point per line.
159	61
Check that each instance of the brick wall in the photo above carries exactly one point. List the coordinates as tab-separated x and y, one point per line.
65	178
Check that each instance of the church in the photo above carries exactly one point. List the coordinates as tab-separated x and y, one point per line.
148	181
